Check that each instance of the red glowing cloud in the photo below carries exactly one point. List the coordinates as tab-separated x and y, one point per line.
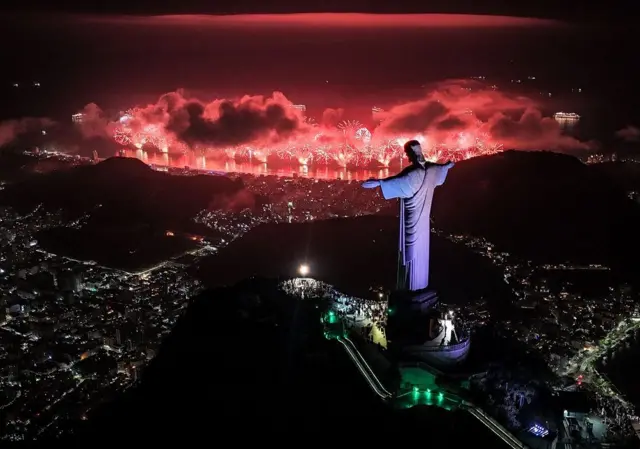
11	129
328	20
233	122
629	134
472	108
454	120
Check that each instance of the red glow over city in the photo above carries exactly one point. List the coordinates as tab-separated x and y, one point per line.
332	20
454	120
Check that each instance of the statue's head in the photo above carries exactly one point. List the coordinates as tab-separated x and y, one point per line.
414	152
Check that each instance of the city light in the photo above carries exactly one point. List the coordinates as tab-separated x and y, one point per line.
303	270
538	431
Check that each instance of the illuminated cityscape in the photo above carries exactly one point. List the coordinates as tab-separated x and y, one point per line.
84	332
212	222
130	312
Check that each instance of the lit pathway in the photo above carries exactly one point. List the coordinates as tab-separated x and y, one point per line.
443	398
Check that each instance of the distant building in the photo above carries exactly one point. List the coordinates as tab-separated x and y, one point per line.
77	118
299	107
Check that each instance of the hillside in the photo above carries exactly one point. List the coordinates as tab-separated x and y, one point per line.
626	175
546	206
245	364
352	254
124	189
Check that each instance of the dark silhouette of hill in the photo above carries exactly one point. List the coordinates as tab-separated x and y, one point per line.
625	175
353	254
546	206
127	191
130	249
250	364
12	164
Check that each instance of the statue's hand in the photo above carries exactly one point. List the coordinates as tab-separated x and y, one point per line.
371	184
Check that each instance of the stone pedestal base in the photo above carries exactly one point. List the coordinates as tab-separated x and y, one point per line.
423	301
412	316
414	302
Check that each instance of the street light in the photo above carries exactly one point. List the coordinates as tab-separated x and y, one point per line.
303	269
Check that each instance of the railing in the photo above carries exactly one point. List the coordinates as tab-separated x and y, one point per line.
443	348
494	426
381	391
424	366
365	369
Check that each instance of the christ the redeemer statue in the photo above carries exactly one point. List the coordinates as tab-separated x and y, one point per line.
414	186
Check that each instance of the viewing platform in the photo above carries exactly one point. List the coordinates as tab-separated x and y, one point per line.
440	355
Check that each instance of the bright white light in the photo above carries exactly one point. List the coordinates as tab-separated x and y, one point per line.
303	269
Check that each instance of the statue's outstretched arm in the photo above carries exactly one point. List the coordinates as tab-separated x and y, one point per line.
373	182
403	185
442	171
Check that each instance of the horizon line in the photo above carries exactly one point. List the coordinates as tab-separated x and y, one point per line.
330	19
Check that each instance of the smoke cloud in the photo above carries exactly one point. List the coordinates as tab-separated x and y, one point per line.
236	202
226	122
462	106
331	117
12	129
94	123
629	134
454	119
218	123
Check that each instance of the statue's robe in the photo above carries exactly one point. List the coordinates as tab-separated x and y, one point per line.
414	186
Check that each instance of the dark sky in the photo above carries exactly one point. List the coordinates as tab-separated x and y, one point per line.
573	10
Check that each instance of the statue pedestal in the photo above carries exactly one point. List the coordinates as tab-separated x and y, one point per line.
415	331
414	302
410	313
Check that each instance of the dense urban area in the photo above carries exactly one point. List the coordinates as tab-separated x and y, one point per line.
74	334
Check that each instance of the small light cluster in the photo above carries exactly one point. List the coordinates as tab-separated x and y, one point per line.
538	430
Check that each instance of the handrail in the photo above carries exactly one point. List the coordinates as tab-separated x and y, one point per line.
444	348
362	370
494	426
425	366
365	370
380	390
367	366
